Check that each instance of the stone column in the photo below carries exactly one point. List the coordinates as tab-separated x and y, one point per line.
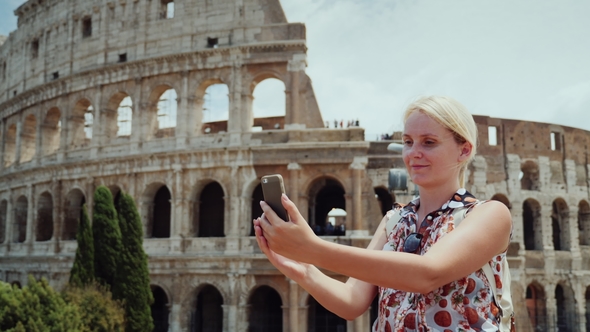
9	220
137	113
293	185
236	121
550	305
58	216
195	116
175	311
232	223
64	132
512	171
97	135
357	168
296	67
90	187
30	237
548	246
178	224
17	148
293	306
182	113
570	175
40	130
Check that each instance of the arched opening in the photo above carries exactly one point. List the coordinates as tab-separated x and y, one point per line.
560	225
208	314
385	199
584	222
215	108
3	218
265	312
532	225
257	196
211	211
19	229
268	104
51	131
10	146
124	117
73	204
167	109
325	194
16	284
161	213
28	138
81	124
566	314
535	303
160	309
44	229
503	199
117	116
529	176
587	296
319	319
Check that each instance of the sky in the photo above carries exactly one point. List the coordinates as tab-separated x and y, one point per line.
525	59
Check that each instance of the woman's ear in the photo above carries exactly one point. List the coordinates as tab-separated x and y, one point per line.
466	149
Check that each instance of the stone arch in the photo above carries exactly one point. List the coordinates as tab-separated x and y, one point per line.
503	199
3	219
161	114
265	312
73	205
530	176
10	145
536	305
210	211
156	210
118	116
51	131
28	138
560	225
566	308
321	319
325	193
81	123
207	309
19	228
532	225
385	198
160	309
584	222
44	227
213	105
268	101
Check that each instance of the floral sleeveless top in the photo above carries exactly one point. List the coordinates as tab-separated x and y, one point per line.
463	305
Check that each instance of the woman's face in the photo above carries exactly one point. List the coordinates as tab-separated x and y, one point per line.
431	154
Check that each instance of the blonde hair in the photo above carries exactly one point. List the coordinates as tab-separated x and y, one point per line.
452	115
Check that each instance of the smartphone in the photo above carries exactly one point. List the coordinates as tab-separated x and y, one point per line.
272	188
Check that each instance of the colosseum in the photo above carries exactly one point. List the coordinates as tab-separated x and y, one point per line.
114	92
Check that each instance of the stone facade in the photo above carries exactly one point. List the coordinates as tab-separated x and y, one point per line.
75	73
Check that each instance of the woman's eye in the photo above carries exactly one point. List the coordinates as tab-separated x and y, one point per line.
407	142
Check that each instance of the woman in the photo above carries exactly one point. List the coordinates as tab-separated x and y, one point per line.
428	274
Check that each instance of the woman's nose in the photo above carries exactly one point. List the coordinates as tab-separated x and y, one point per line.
413	151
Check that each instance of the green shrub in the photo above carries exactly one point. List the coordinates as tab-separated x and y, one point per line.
98	310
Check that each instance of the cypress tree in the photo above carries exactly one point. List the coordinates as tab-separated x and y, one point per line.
107	237
82	272
133	280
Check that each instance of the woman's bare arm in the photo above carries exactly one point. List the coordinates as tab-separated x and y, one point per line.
483	234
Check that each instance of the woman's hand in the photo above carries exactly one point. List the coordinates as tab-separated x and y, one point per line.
293	239
297	271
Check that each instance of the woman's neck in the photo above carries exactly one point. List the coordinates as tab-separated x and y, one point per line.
432	199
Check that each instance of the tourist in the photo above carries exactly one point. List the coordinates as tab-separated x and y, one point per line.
427	273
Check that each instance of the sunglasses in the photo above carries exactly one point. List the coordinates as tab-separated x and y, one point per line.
413	242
